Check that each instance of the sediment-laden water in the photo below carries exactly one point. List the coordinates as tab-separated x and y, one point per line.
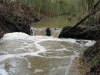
21	54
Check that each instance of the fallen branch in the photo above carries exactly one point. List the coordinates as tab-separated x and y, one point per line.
97	27
89	15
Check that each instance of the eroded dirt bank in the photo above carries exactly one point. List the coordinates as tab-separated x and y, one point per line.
14	18
89	63
80	33
91	60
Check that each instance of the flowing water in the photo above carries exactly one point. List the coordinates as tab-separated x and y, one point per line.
21	54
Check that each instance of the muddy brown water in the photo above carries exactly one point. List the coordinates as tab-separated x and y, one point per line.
21	54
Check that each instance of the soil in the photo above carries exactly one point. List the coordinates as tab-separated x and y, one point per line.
90	35
89	63
14	18
91	60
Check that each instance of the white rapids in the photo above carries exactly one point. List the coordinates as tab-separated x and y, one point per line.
21	54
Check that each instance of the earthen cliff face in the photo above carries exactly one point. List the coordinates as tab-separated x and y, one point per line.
14	20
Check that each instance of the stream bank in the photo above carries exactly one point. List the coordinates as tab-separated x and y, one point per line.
89	63
14	18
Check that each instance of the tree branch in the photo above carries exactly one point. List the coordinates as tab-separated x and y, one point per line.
81	21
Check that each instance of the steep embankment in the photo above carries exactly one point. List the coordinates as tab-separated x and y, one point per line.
14	18
90	61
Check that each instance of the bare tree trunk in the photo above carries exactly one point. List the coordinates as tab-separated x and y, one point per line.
89	15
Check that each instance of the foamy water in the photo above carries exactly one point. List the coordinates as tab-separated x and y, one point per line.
21	54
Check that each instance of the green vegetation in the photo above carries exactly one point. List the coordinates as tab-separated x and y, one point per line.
95	62
46	7
74	8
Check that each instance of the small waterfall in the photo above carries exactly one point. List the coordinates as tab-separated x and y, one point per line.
42	31
56	32
31	31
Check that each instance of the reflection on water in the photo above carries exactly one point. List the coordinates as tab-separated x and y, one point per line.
39	55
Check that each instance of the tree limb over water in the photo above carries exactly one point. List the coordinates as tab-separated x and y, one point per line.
89	15
70	34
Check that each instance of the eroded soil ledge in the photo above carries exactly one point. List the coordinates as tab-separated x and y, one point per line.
14	18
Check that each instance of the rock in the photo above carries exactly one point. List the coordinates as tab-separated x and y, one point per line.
12	19
48	32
